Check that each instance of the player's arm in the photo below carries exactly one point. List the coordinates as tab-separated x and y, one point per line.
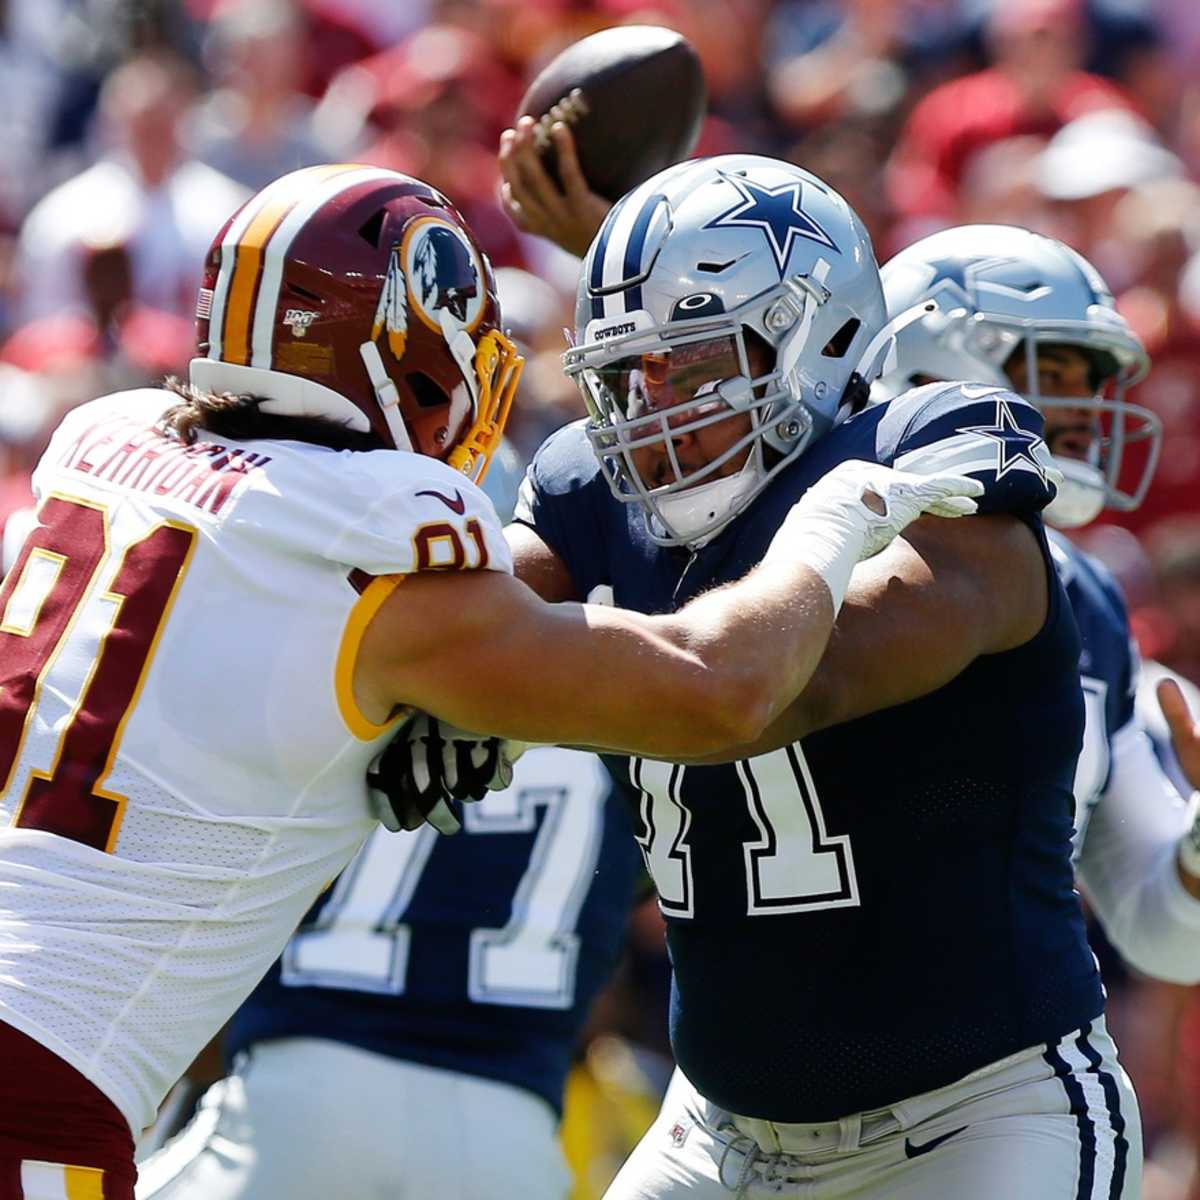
483	651
915	617
571	216
538	566
1129	864
1185	742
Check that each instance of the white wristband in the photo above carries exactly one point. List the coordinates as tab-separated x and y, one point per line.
828	546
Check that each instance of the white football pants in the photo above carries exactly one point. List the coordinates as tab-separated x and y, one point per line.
308	1119
1056	1122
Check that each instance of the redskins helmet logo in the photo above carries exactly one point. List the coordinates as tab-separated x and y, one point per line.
443	272
391	312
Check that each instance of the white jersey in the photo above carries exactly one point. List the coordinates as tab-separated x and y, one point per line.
181	757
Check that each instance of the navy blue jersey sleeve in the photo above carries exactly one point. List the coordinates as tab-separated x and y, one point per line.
562	499
988	433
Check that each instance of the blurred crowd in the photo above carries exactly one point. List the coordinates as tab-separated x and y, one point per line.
134	127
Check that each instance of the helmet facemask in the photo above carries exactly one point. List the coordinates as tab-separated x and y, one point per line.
1091	451
1007	298
657	394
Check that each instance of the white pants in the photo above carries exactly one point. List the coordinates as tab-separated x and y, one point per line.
306	1119
1050	1123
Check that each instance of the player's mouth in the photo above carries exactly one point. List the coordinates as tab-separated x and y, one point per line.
1073	441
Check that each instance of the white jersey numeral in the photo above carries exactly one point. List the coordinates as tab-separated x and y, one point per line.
361	941
530	961
793	865
663	837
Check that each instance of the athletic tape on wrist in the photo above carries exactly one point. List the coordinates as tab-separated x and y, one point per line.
827	546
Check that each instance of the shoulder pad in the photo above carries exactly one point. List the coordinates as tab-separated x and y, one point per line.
988	433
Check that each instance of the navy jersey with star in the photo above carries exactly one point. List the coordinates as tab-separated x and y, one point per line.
887	905
1108	668
479	953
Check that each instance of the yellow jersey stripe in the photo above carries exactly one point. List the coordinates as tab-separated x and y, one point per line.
363	612
84	1183
58	1181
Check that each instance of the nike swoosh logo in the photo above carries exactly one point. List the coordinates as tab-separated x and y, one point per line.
457	505
977	391
911	1150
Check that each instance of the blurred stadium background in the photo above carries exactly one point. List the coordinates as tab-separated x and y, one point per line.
133	128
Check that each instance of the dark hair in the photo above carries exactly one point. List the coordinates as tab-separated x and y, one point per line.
241	419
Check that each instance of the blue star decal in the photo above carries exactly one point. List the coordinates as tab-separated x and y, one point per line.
957	271
774	210
1014	444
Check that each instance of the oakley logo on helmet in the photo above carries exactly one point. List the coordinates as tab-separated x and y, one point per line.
701	304
443	273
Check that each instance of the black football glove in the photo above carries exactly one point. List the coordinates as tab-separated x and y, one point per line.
430	768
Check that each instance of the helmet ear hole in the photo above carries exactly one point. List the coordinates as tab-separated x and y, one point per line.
426	393
857	394
759	351
837	345
371	229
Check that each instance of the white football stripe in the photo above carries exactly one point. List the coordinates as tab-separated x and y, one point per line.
958	455
43	1181
216	324
618	240
614	252
278	246
1097	1111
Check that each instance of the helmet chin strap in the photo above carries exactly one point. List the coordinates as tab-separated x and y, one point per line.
463	349
1080	496
386	394
692	511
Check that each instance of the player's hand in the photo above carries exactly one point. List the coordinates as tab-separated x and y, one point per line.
876	503
430	768
571	216
1185	729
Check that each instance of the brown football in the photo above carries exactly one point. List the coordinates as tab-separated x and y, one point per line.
634	98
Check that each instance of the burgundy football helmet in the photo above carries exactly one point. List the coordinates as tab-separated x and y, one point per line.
359	294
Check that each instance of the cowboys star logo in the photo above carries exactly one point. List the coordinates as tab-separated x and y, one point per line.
776	211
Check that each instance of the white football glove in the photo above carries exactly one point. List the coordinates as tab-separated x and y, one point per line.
833	526
430	768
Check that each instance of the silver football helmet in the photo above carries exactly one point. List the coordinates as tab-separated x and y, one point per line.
731	304
1001	290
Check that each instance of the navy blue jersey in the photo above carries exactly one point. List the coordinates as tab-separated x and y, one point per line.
479	953
1108	668
888	905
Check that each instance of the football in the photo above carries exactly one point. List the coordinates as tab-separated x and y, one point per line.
634	98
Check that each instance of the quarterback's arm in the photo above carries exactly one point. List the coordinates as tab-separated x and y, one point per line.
1129	865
